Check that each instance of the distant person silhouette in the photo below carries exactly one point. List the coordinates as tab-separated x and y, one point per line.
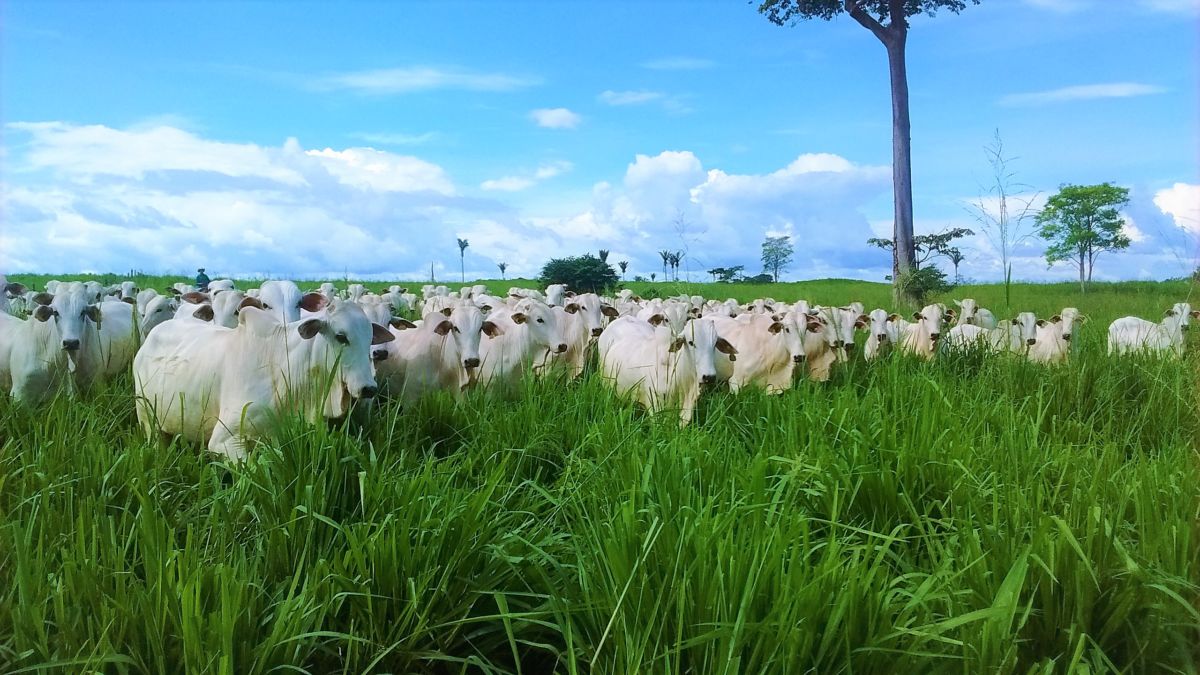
202	280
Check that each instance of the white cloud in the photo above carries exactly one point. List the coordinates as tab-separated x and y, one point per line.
629	97
1182	202
1082	92
396	139
367	168
411	79
555	118
524	182
679	63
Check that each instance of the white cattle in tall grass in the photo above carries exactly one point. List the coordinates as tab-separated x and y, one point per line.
971	314
157	310
528	332
768	349
921	337
1013	337
1132	334
33	363
224	386
442	353
886	330
8	291
658	368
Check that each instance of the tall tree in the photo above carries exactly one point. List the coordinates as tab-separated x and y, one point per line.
603	255
776	255
928	246
503	268
624	264
1082	221
462	253
666	256
888	22
955	256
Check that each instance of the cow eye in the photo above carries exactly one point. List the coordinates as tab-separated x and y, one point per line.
541	321
691	344
341	337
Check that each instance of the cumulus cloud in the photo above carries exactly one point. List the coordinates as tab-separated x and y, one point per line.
1182	202
409	79
555	118
1082	92
523	182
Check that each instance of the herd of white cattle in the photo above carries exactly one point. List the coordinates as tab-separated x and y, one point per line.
216	366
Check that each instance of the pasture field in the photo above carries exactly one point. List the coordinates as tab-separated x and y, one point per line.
969	515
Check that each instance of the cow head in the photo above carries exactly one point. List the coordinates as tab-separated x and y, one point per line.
344	338
544	329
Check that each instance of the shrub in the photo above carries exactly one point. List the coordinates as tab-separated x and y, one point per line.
582	274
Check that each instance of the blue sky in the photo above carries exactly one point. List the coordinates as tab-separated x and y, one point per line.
307	139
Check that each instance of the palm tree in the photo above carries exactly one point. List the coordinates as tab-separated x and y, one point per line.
956	257
666	256
604	255
653	275
503	267
623	264
462	252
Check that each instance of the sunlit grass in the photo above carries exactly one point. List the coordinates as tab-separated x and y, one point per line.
969	515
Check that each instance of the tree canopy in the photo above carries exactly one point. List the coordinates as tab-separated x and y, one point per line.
776	255
783	12
584	274
929	246
1082	221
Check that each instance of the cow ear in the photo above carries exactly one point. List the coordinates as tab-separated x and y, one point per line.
1169	312
1195	314
380	335
775	327
894	317
676	344
491	330
43	298
14	289
610	312
43	313
313	302
813	325
950	314
447	311
401	324
657	320
403	290
569	294
174	291
194	298
250	302
571	308
92	312
917	316
204	313
519	317
129	301
309	328
1055	319
862	321
444	327
725	347
1041	323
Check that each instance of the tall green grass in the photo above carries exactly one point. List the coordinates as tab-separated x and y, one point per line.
969	515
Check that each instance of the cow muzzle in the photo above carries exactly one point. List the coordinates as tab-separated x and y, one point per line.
562	347
470	363
379	354
934	336
839	343
368	392
849	347
1031	341
597	331
798	358
71	345
1067	337
708	379
881	338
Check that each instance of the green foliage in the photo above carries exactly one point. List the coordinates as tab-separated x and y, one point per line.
967	515
763	278
783	12
776	255
923	282
582	274
1082	221
727	274
929	246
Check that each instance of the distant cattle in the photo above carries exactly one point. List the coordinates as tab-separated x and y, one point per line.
1132	334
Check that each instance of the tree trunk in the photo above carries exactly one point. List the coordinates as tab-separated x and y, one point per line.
904	259
462	266
1082	285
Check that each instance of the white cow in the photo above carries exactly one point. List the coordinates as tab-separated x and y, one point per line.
556	295
220	286
33	364
143	299
284	300
158	309
843	321
441	353
659	368
1132	334
768	349
226	385
9	290
528	331
921	338
1050	344
885	330
974	315
1013	337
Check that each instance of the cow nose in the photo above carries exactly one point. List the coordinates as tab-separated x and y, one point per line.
71	345
708	379
1067	337
597	331
839	343
562	347
881	338
849	347
470	363
1031	341
934	336
368	392
798	358
378	354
